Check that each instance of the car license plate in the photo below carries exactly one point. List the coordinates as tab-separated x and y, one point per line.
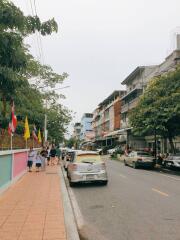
90	177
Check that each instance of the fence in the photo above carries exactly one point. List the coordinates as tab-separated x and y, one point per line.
12	167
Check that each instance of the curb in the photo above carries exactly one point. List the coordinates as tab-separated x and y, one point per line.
70	222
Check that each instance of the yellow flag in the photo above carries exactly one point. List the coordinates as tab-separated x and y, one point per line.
39	136
26	129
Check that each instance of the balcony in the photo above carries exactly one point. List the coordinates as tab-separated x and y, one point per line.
130	105
125	124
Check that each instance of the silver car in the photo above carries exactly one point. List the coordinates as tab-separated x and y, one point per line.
87	166
139	159
172	161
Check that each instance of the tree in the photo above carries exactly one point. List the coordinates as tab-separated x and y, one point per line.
14	56
159	108
58	120
71	142
23	78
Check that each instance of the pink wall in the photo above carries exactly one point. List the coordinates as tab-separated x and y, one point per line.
19	163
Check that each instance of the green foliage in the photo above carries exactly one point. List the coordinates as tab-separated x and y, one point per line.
58	120
71	142
159	107
25	79
14	56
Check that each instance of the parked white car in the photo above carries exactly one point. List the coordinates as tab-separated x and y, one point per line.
139	159
172	161
87	166
111	151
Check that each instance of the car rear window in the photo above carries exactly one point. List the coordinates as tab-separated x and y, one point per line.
88	158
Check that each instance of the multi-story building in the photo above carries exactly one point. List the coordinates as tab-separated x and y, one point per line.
77	130
107	119
87	132
136	83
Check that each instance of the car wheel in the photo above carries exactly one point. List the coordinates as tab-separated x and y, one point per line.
134	165
105	182
125	162
71	184
153	166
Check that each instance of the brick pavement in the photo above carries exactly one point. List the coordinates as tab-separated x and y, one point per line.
32	209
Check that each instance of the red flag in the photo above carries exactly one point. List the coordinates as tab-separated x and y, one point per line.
13	121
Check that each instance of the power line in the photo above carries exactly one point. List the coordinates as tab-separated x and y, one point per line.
39	43
39	35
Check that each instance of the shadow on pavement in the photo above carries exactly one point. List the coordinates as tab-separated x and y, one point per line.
171	171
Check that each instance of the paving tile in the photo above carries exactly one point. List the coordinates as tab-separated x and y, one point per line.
32	208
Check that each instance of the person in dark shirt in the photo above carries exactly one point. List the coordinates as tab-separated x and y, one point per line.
44	154
53	155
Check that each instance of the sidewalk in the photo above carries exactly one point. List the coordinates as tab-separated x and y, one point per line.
32	208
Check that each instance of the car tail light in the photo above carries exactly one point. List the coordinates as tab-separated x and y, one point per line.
74	167
103	166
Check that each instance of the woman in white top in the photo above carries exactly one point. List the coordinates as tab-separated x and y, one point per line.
31	158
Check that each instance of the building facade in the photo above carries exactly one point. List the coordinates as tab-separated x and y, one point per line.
107	119
135	84
77	131
87	132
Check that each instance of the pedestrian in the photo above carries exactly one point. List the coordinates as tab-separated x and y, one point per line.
58	154
48	156
53	155
31	158
38	161
44	154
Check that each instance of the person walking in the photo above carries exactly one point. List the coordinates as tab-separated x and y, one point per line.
31	158
48	156
53	155
38	161
58	154
44	154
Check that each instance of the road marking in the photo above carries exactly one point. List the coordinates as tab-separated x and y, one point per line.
162	193
123	176
177	179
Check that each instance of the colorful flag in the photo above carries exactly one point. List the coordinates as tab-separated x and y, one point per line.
39	136
34	133
13	121
26	129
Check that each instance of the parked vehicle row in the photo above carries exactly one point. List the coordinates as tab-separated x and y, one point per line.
144	159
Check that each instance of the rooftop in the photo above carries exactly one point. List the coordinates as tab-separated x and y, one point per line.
112	97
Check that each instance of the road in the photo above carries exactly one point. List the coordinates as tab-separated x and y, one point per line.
137	204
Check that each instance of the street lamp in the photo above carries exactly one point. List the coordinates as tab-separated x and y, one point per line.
45	117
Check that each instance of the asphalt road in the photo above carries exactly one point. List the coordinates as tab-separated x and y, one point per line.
137	204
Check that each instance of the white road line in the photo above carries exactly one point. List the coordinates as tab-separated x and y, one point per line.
162	193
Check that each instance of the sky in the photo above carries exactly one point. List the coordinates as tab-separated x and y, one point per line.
100	42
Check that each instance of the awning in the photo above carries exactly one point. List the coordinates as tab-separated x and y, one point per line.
118	132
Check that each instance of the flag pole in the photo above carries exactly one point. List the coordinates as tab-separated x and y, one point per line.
11	140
